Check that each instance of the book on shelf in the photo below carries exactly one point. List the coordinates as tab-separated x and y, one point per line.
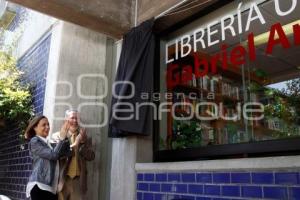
194	80
224	136
237	91
224	89
234	92
214	83
211	135
274	124
253	97
230	91
187	82
244	137
200	83
184	103
206	82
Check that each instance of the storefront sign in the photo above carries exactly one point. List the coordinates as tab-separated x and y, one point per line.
195	44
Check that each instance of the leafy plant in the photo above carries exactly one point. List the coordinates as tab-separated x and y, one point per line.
186	135
15	97
293	96
280	104
232	130
260	73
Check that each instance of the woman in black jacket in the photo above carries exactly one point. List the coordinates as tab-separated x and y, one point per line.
45	168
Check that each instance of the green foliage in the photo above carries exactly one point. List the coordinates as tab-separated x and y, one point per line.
282	103
260	73
286	103
232	130
293	96
15	97
187	135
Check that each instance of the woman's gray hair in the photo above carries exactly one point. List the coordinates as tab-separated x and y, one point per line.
69	112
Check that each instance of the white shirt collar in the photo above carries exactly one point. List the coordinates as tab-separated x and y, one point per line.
45	140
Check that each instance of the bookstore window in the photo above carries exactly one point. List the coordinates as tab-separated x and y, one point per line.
231	79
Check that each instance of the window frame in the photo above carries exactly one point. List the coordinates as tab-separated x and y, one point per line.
279	147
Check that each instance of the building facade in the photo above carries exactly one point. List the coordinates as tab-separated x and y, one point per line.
73	68
53	54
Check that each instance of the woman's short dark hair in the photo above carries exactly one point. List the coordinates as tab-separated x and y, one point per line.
30	132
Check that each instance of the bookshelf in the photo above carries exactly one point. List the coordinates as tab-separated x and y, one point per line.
224	88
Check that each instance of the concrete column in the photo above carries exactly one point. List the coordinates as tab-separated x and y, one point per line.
123	183
78	52
126	152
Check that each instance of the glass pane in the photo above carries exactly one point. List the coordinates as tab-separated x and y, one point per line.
224	88
277	65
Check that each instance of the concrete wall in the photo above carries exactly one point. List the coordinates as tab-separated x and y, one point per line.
114	17
109	17
126	152
76	51
152	8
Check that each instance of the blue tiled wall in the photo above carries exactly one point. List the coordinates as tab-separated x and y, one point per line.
249	185
35	65
15	163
